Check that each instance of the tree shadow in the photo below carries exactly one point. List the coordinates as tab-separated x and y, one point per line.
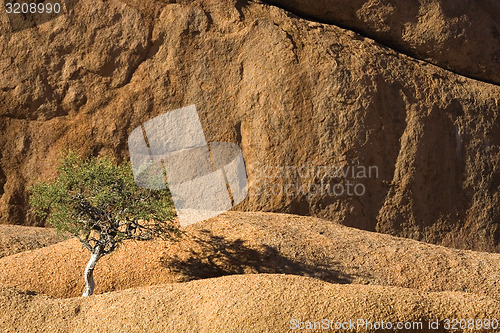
217	256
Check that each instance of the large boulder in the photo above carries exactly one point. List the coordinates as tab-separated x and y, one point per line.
299	97
462	36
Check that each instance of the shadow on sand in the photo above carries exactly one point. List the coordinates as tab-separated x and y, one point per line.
216	256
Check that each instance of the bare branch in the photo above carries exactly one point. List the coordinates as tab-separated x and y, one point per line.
86	244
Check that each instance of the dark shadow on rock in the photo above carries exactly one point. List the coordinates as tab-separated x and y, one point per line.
219	256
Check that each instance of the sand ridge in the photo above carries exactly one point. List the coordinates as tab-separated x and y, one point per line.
250	243
237	303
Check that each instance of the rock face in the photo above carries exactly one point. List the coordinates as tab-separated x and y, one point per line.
316	109
460	36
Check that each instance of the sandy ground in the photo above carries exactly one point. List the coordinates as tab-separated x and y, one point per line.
244	243
247	272
238	303
15	239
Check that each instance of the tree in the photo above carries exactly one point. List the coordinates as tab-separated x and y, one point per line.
98	201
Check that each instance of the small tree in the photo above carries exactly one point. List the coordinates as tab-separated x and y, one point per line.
99	202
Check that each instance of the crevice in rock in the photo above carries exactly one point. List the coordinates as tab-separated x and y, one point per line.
294	45
386	44
146	54
239	7
150	50
237	129
3	180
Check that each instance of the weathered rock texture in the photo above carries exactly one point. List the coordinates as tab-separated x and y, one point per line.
462	36
15	239
291	92
265	243
240	303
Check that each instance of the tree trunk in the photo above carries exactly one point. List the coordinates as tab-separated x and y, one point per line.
89	271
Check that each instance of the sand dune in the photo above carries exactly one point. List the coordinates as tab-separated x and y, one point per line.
245	243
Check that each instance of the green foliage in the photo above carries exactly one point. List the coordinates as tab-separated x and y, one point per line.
99	202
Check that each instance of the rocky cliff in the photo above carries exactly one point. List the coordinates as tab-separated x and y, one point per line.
314	107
